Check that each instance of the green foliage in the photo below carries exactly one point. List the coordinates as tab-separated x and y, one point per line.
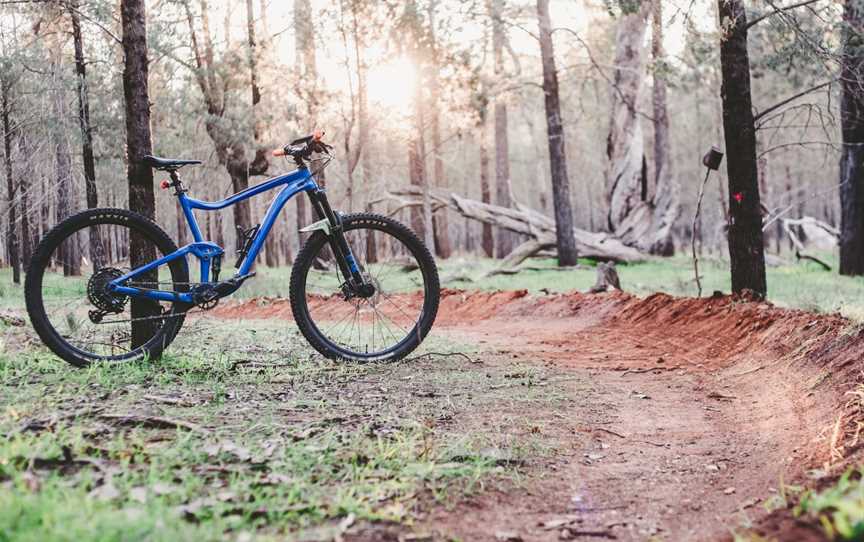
839	509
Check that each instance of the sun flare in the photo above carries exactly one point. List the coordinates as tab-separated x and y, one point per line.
392	84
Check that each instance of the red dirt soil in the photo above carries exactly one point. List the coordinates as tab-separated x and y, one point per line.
739	395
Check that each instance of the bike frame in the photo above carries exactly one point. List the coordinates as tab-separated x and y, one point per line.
300	180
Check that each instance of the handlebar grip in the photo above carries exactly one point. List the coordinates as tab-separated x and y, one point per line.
279	152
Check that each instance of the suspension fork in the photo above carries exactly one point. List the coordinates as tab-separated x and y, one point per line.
336	238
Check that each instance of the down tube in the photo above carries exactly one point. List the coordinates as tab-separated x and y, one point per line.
269	219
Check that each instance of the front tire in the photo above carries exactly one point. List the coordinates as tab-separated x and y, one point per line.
384	327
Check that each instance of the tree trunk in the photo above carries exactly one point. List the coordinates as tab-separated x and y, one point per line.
852	154
24	179
138	144
503	195
229	148
487	241
557	156
69	252
665	200
363	131
746	250
96	249
442	228
11	233
625	145
305	72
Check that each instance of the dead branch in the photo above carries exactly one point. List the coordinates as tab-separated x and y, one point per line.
776	10
792	98
523	220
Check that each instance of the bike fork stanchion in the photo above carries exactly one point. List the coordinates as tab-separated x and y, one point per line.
341	249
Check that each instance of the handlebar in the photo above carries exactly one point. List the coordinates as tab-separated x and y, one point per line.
302	148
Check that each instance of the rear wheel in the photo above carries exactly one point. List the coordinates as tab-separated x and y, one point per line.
67	294
385	326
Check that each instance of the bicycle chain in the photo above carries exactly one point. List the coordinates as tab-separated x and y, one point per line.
161	316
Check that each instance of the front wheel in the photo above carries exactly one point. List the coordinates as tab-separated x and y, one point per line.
385	326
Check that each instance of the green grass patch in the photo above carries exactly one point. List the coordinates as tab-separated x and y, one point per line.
839	509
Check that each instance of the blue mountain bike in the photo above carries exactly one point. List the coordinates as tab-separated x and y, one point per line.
111	285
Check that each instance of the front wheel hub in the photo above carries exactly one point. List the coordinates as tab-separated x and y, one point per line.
366	290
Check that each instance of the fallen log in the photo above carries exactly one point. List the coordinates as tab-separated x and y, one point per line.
814	226
539	228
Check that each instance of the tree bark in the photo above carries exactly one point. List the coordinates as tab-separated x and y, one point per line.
69	251
557	155
305	74
138	143
95	244
442	228
503	190
746	249
24	179
625	146
666	201
852	154
11	192
487	240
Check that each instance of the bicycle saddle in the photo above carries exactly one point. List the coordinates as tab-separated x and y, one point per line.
168	164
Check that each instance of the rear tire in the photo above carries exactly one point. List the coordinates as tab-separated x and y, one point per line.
42	260
414	250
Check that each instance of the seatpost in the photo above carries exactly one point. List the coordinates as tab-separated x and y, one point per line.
175	182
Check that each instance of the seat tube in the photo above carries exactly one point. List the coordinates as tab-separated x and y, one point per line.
190	217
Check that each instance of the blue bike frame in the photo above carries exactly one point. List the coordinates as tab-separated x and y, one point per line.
300	180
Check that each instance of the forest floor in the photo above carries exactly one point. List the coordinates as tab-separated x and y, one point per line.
523	417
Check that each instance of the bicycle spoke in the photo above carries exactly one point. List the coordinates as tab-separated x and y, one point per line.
375	325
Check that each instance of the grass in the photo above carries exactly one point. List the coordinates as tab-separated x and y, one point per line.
271	441
804	286
839	509
268	439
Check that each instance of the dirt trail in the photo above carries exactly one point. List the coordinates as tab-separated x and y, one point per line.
698	410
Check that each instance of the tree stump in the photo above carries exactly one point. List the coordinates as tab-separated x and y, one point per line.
607	278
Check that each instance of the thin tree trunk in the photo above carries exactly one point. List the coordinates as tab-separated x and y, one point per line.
96	249
503	193
24	179
746	249
11	233
557	155
303	72
69	251
363	131
852	154
138	143
665	199
487	240
443	247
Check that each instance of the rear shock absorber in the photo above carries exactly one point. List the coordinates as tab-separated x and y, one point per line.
244	242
